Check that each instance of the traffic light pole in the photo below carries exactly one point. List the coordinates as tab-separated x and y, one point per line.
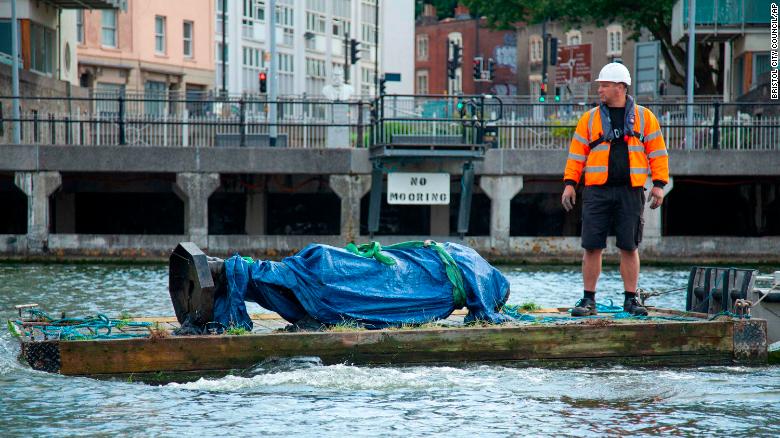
273	82
544	59
346	57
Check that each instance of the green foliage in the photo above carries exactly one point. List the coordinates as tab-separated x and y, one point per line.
656	18
236	331
12	329
530	306
562	128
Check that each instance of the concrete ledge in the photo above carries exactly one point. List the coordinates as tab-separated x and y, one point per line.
343	161
671	249
13	243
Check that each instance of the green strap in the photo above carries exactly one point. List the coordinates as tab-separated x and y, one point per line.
374	250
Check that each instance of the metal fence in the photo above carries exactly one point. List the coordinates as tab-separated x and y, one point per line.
242	122
510	122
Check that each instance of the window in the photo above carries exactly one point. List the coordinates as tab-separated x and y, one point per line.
422	82
105	91
284	16
42	48
108	27
422	47
315	23
315	68
573	37
159	34
285	63
155	94
260	11
187	35
535	49
614	40
80	26
341	27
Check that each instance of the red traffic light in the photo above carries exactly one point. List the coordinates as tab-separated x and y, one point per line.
262	76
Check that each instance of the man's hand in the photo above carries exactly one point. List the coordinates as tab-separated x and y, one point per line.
569	197
656	197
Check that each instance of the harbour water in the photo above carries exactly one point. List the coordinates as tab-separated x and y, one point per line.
302	397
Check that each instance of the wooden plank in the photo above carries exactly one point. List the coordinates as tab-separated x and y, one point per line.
597	341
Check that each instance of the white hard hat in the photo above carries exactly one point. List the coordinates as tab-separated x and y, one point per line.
614	72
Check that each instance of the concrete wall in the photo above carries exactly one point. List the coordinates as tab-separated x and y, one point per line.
33	84
342	161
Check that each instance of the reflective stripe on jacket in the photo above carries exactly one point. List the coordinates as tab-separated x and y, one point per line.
646	147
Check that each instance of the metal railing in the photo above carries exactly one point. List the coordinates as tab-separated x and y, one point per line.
510	122
243	122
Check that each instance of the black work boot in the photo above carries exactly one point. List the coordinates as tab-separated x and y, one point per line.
584	307
631	305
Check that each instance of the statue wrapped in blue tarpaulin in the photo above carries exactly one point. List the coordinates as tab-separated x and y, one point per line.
370	285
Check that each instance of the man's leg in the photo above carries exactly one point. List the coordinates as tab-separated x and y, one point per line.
596	219
629	235
591	268
629	269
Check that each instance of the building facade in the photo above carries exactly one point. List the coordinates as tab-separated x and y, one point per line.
310	39
743	32
604	43
47	39
433	48
152	47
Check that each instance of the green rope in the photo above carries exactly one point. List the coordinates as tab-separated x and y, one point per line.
92	327
374	250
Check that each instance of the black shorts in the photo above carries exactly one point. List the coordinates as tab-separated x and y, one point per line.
615	209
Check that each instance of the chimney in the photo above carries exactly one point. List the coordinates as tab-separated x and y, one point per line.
462	12
429	11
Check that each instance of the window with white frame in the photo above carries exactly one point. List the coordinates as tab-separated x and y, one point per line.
535	49
573	37
341	26
159	34
614	40
252	64
422	47
220	56
260	10
187	32
284	16
315	22
367	81
422	82
286	64
315	68
108	27
341	8
80	26
220	16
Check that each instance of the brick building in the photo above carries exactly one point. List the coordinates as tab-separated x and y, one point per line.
432	50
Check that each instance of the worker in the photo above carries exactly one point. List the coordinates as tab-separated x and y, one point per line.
614	145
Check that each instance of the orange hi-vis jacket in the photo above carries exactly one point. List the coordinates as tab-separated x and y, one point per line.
589	149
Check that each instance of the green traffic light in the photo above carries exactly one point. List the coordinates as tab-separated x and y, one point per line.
460	105
557	98
541	98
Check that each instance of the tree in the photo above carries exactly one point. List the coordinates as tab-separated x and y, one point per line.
655	17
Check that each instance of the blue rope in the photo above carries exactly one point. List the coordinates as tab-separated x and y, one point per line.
615	312
98	326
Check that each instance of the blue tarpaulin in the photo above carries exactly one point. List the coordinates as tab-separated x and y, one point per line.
333	286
